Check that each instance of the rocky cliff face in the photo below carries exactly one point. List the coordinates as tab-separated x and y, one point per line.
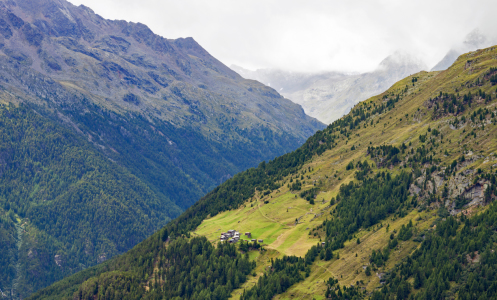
56	53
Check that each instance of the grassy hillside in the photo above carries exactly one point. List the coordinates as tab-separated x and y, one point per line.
400	190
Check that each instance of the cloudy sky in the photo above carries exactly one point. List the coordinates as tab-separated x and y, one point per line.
310	35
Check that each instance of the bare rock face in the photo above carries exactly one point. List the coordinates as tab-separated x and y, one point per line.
56	53
101	258
475	193
438	180
459	182
460	187
32	253
58	260
430	187
414	189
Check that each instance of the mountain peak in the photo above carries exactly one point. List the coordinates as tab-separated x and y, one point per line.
401	58
475	39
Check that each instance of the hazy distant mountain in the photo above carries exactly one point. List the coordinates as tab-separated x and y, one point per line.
447	61
285	81
473	41
328	96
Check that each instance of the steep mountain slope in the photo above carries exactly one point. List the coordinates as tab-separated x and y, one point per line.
54	184
329	96
57	54
394	200
110	131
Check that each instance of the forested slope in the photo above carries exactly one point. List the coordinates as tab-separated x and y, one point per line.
400	191
74	206
110	131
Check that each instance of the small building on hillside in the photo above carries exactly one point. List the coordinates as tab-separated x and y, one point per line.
260	241
231	236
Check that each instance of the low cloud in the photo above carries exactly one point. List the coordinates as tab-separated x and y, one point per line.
310	36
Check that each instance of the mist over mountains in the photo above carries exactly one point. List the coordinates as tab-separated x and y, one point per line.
328	96
474	40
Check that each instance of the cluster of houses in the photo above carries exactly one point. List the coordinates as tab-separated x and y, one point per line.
233	236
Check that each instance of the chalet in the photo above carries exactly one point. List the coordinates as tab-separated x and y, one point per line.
260	241
323	243
253	240
248	234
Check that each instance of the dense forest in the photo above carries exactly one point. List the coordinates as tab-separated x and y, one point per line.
366	204
177	162
86	199
228	195
69	199
192	269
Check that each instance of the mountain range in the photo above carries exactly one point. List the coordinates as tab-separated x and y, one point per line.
395	200
127	158
329	96
110	131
